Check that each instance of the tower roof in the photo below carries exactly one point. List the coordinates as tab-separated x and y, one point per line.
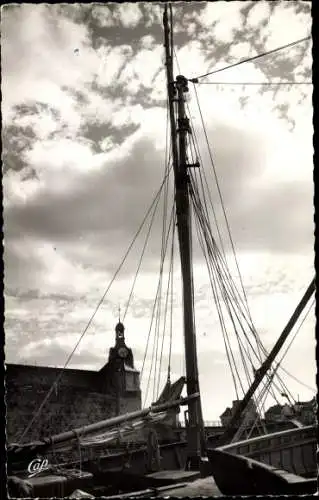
119	327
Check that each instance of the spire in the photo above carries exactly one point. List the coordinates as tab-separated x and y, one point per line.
119	331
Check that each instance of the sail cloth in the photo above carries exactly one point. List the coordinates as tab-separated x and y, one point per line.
171	391
95	440
122	431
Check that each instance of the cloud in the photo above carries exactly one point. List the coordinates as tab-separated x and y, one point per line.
103	15
84	218
130	15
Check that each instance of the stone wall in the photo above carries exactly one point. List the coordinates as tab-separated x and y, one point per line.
66	409
132	402
78	399
22	375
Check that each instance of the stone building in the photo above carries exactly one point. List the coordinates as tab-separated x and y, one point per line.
225	417
80	397
305	411
278	413
250	414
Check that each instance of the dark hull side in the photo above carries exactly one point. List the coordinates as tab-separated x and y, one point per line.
103	475
292	450
238	475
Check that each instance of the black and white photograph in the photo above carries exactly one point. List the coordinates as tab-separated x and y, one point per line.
158	234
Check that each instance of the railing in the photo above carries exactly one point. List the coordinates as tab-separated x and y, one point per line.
207	423
212	423
280	437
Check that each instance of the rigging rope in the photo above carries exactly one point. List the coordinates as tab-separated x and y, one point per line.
222	202
289	345
251	326
227	303
155	303
141	259
215	296
212	247
194	139
223	328
197	154
249	59
166	177
162	253
165	312
255	83
171	311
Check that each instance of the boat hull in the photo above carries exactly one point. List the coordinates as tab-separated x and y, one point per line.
239	475
293	450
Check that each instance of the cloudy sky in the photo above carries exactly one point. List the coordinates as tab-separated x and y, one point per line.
84	132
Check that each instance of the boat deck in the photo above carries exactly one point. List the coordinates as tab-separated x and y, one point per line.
202	487
176	476
183	484
199	487
187	484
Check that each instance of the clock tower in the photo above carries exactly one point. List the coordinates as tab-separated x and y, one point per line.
119	375
120	352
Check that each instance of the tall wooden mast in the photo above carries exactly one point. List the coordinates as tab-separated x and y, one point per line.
176	94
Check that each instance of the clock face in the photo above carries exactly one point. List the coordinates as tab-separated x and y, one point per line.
123	352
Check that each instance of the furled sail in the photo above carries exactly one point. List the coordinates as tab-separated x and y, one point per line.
170	393
122	431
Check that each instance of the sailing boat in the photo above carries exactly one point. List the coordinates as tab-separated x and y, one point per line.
193	454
